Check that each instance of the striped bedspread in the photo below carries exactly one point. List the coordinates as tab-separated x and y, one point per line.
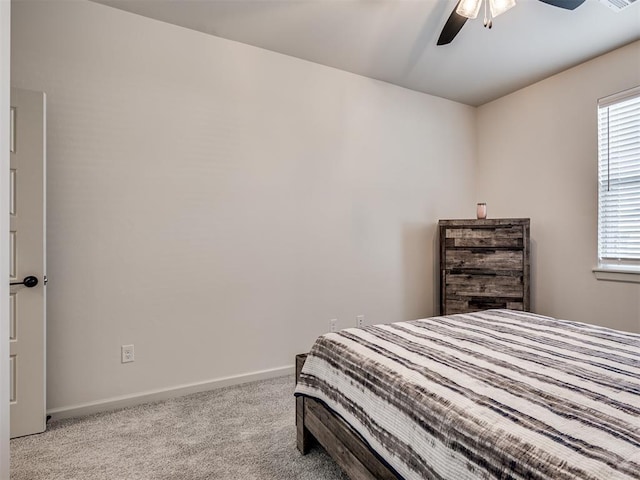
490	395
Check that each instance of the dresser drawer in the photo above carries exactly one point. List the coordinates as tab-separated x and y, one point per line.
484	259
476	304
484	286
505	236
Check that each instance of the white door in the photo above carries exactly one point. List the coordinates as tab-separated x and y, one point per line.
27	302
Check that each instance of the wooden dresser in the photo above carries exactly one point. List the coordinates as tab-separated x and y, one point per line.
484	264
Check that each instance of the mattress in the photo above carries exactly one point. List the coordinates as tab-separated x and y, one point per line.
497	394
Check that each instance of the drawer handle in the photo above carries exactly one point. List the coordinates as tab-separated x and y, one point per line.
482	250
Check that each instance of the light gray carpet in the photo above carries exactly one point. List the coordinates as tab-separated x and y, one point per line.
245	432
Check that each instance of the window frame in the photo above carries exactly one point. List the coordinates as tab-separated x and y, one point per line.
616	270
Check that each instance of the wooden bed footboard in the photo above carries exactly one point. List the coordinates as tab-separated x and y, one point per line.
316	423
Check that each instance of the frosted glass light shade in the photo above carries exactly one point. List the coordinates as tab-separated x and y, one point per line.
469	8
500	6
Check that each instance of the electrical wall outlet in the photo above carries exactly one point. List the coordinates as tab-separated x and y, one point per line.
333	325
360	321
127	353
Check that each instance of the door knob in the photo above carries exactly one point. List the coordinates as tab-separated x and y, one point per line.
28	282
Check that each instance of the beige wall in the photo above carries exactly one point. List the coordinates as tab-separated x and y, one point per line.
216	204
537	157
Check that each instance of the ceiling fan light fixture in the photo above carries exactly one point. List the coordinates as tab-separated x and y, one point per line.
468	8
498	7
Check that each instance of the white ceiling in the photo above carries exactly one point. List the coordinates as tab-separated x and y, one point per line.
395	40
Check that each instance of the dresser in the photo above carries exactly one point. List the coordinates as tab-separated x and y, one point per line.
484	264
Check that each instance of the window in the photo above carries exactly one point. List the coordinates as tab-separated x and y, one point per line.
619	183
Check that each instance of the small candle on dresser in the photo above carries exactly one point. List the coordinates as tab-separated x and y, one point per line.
481	210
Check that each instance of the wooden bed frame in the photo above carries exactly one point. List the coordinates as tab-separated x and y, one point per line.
316	423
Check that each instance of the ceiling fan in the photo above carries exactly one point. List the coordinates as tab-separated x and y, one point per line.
466	9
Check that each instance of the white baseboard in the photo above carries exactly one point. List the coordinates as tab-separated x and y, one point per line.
165	393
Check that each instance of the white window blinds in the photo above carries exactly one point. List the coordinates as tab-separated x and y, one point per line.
619	179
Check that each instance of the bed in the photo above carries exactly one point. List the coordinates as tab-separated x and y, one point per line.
497	394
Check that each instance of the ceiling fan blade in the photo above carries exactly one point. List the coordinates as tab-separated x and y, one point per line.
452	27
566	4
